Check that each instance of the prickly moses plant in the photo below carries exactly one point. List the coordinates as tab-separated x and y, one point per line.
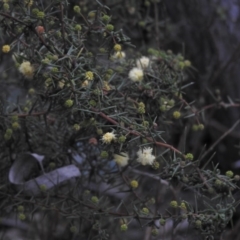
90	146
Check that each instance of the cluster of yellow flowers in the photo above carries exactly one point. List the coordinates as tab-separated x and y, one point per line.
108	137
121	159
5	48
118	54
26	69
145	156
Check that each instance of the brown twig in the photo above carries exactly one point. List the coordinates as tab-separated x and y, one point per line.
133	132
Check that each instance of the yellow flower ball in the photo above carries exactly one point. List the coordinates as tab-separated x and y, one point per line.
174	204
176	114
134	184
89	75
6	48
108	137
117	47
26	69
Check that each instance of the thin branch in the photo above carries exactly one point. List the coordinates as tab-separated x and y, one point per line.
220	139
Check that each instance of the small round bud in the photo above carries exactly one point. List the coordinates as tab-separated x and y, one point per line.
29	3
6	6
68	103
40	14
102	50
142	23
9	131
171	102
54	57
89	54
7	136
117	47
45	61
124	227
155	165
52	165
20	208
109	27
141	110
200	126
54	70
162	221
99	131
107	77
145	211
187	63
154	232
174	204
176	114
189	156
218	183
147	3
122	139
109	71
92	103
183	206
104	154
31	91
78	27
106	18
229	174
185	179
163	108
15	126
76	9
198	223
35	11
195	127
94	199
76	127
145	124
134	184
236	177
181	65
151	201
211	190
21	216
92	14
58	34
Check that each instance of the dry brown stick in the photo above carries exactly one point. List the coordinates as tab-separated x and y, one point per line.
139	134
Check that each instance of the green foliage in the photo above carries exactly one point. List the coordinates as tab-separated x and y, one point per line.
95	103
